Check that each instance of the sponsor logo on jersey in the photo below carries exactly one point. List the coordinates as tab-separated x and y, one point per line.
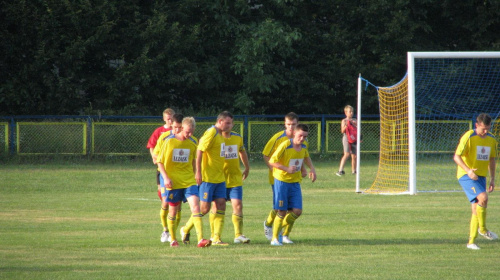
180	155
483	153
231	152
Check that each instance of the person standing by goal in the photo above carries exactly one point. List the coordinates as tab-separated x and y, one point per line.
475	156
348	130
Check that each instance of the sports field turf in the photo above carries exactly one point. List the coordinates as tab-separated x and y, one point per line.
101	221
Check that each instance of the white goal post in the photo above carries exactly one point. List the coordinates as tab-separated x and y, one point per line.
427	87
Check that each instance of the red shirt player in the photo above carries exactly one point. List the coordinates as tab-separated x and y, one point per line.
167	117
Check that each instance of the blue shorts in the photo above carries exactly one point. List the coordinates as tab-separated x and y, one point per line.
234	193
287	195
163	190
211	191
274	196
177	195
473	188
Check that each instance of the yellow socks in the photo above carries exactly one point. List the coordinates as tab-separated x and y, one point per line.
218	224
277	225
474	225
270	218
481	218
198	225
238	225
189	225
288	223
177	218
163	218
211	218
171	227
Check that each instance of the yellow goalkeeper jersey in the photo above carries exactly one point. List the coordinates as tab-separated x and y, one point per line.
476	152
212	163
233	147
178	157
286	155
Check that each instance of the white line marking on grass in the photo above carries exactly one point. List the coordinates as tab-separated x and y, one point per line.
142	199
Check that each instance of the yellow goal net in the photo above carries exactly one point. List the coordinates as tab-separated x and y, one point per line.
393	170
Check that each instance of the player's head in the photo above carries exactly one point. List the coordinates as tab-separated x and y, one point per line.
348	110
291	121
483	124
300	133
167	116
188	126
177	123
225	121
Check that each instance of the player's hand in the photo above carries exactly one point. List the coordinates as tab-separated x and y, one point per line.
168	183
245	173
471	174
197	176
304	172
492	186
292	169
312	176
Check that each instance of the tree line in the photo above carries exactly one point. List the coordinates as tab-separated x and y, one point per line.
137	57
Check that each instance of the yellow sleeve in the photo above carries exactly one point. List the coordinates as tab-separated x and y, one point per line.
272	144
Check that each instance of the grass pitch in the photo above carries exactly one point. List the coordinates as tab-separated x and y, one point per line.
101	221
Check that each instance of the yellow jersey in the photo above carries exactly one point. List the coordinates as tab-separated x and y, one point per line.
212	163
160	141
476	152
271	147
233	146
177	157
286	155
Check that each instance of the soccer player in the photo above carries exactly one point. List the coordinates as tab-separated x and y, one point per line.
210	177
475	156
287	162
176	162
176	128
234	152
291	121
349	148
167	118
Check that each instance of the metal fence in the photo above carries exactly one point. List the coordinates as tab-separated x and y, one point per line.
126	135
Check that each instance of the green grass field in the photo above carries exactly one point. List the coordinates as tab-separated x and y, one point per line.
101	221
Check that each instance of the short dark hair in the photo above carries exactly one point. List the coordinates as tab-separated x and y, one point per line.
302	127
225	114
292	116
484	119
177	118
